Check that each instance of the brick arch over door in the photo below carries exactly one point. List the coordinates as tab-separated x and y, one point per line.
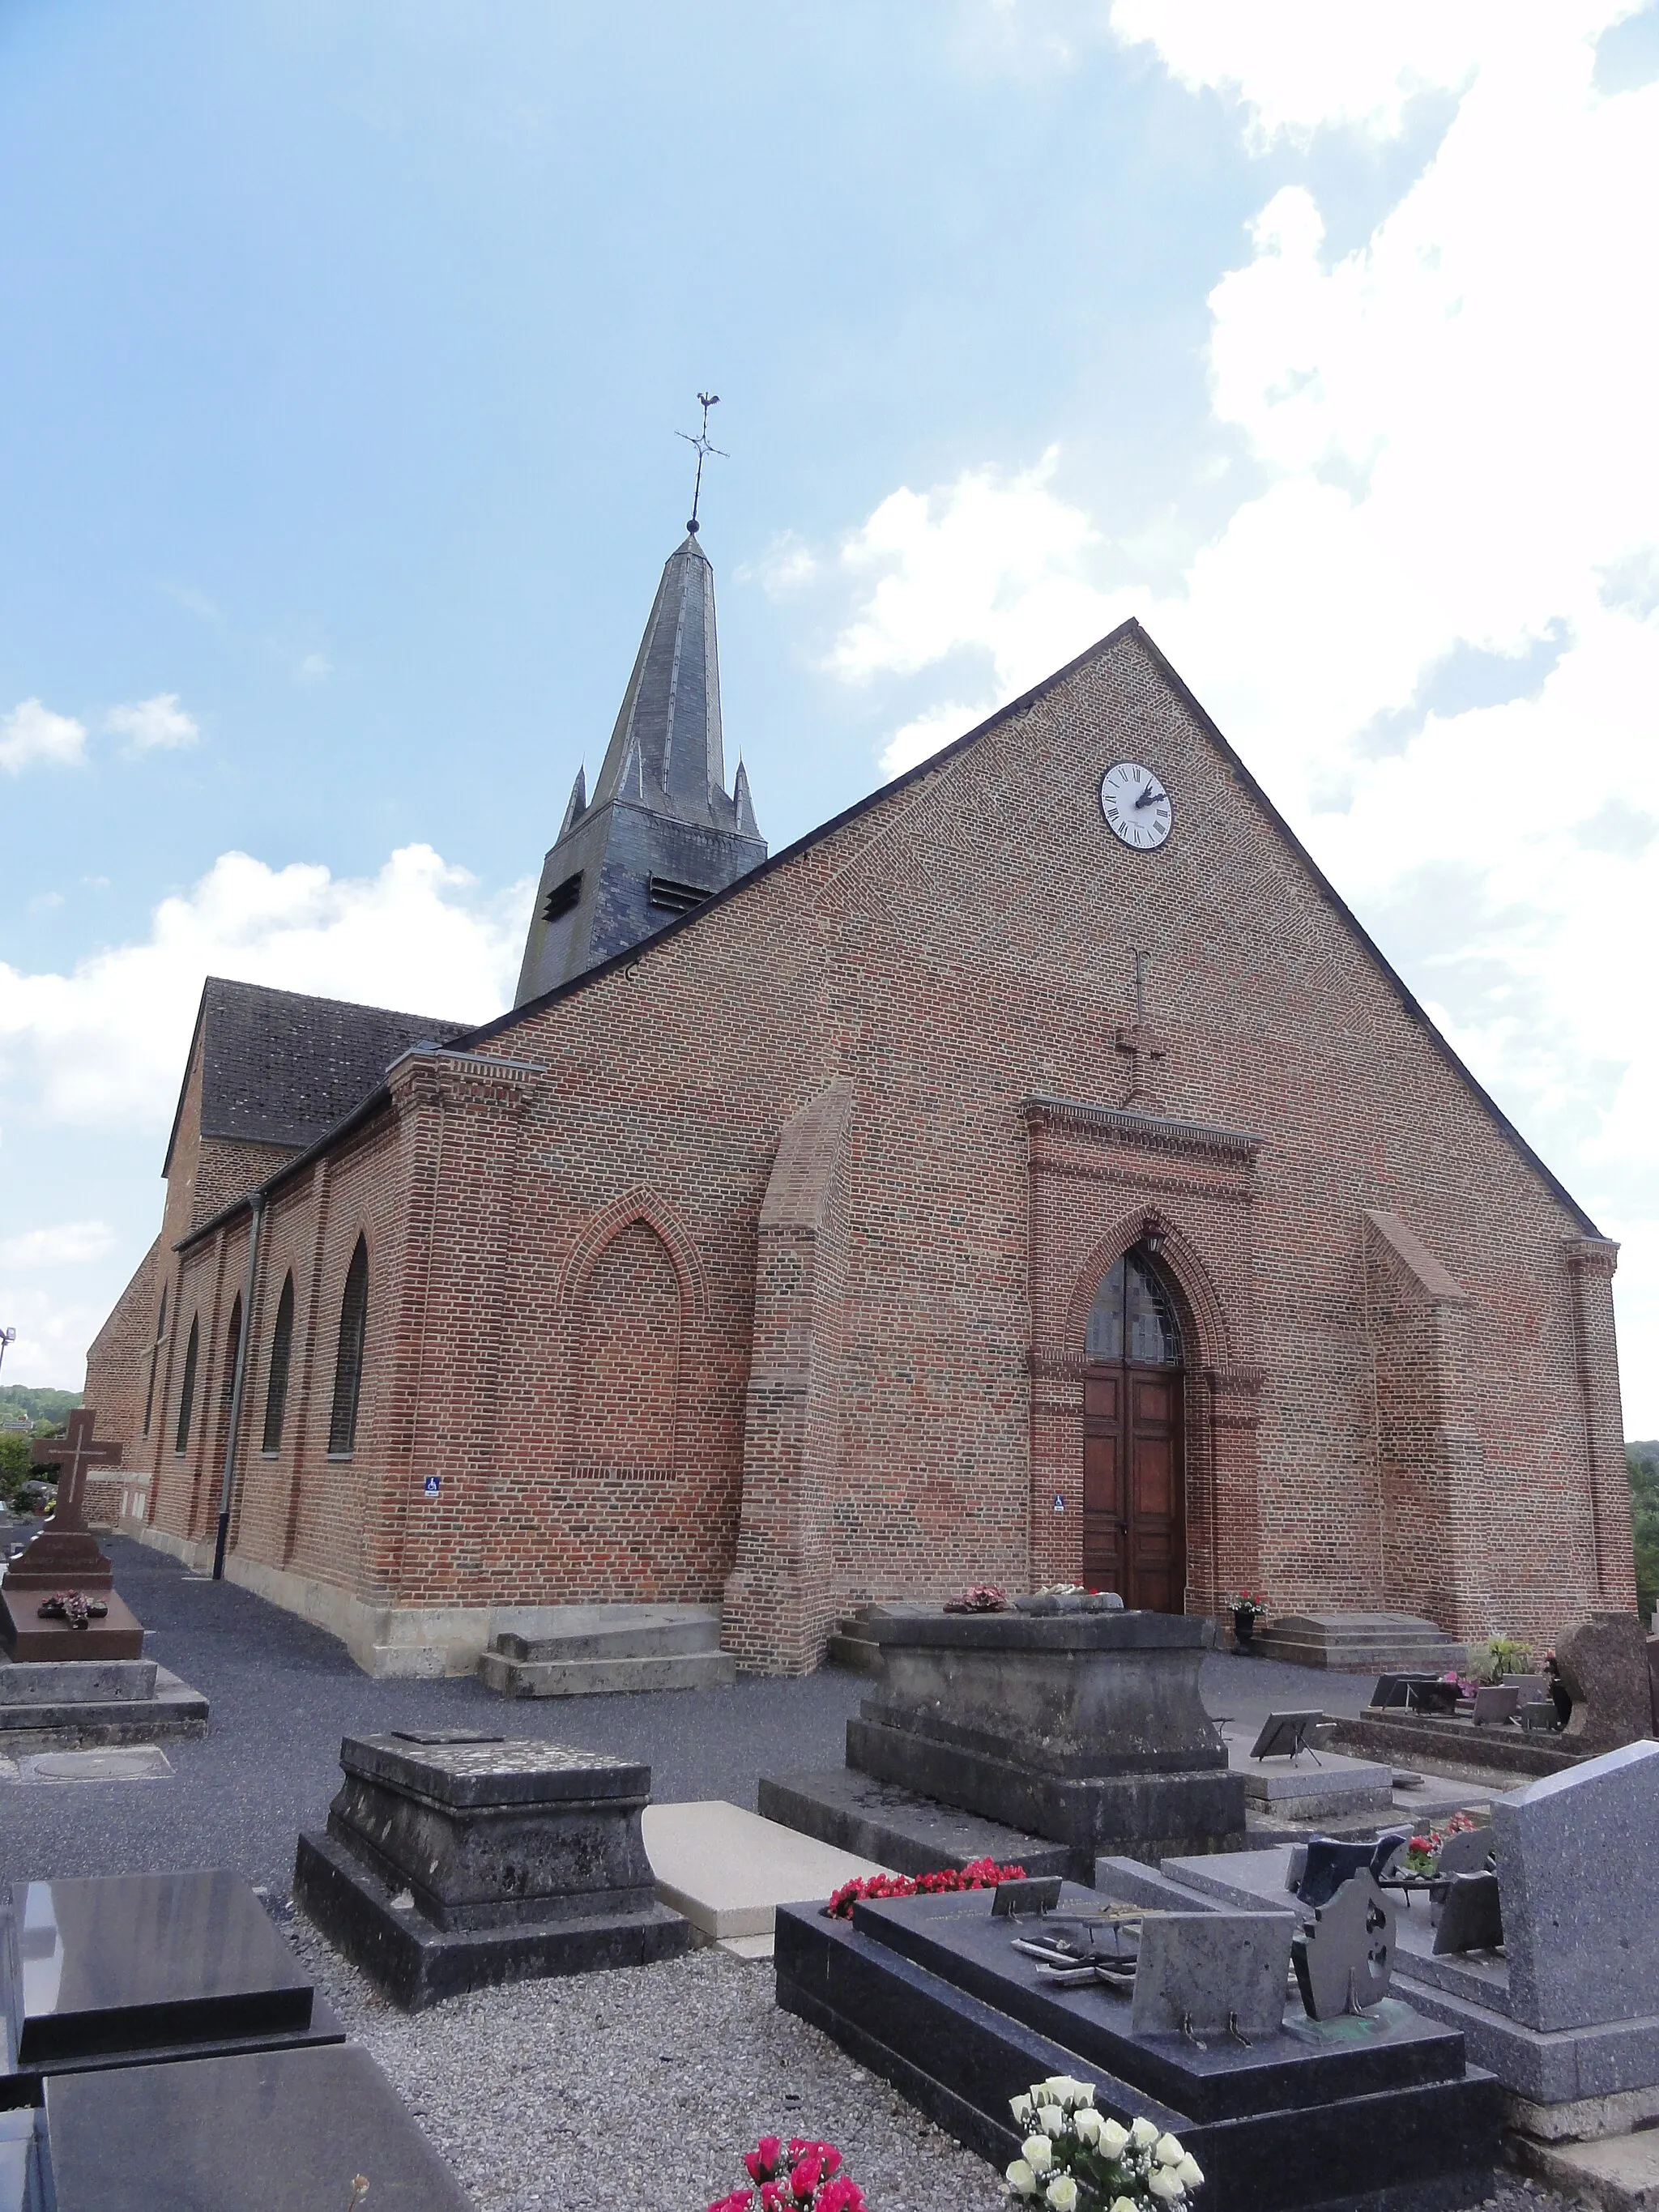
1102	1180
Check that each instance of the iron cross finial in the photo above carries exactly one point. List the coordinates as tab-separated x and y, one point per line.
707	399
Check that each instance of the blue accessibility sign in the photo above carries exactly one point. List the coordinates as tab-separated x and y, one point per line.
432	1485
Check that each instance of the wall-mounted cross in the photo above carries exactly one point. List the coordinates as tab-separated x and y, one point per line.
72	1454
1139	1040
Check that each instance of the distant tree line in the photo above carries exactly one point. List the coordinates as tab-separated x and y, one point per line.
47	1410
1642	1461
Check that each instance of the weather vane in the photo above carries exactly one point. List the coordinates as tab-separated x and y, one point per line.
701	442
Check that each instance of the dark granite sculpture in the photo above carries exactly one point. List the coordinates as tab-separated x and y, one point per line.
454	1860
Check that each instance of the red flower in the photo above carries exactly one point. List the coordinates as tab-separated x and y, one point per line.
738	2200
762	2161
772	2198
804	2179
829	2156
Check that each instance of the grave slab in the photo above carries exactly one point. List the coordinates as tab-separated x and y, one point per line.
455	1860
272	2131
1368	2113
727	1870
898	1828
1619	2173
1320	1786
117	1970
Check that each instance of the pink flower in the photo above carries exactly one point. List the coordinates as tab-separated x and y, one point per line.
738	2200
804	2178
772	2198
762	2161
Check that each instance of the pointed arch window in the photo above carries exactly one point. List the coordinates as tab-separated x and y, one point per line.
187	1392
155	1355
349	1360
232	1346
282	1347
1134	1316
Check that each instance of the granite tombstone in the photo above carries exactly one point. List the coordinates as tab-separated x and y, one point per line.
453	1860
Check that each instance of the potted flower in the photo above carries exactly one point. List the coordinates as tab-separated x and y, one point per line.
1247	1611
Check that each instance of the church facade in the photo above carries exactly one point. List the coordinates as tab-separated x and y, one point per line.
1034	1175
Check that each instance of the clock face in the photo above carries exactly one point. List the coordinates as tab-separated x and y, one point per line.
1137	807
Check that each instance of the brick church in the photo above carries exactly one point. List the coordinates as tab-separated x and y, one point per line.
1036	1174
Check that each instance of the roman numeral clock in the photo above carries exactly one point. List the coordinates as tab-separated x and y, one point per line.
1137	807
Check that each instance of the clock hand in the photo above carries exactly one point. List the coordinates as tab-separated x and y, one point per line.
1150	796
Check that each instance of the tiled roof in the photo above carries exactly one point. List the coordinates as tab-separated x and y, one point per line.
279	1067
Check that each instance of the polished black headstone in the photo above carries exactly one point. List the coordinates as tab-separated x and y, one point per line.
1378	2113
272	2131
120	1967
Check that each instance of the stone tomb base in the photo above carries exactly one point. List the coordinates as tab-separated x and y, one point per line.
453	1862
1371	2113
74	1704
25	1637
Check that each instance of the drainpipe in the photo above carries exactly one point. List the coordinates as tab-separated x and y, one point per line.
228	1482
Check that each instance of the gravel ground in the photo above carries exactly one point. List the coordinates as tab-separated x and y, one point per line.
645	2085
648	2084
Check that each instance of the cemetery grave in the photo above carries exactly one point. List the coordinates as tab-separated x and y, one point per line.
454	1858
72	1668
163	2045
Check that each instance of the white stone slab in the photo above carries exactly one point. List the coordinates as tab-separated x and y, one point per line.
727	1870
138	1762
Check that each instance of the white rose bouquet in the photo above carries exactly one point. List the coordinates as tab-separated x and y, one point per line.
1070	2146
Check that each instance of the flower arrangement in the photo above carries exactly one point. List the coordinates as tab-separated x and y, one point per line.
801	2177
1073	2146
978	1873
979	1597
1247	1602
1499	1655
1422	1854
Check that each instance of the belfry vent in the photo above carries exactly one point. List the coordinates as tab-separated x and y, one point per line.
661	833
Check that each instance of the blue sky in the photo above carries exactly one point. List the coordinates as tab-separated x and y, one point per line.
346	348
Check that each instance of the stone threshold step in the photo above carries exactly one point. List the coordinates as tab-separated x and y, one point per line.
616	1631
590	1678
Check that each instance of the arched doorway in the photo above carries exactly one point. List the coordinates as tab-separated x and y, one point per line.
1134	1477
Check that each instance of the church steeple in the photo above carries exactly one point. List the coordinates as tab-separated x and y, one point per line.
661	832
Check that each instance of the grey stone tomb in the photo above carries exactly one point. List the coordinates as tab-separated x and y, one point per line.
1074	1723
453	1860
1567	2014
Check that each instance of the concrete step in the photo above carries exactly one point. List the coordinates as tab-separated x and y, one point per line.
614	1631
852	1646
1361	1643
591	1678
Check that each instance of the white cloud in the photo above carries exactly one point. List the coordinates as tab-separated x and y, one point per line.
105	1045
939	726
69	1244
315	668
157	725
1433	626
32	733
787	565
1298	65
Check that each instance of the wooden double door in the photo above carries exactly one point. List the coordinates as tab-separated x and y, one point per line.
1134	1484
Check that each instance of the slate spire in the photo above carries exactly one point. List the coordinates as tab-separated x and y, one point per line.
661	832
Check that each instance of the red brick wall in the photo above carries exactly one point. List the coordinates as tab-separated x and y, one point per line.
958	949
118	1360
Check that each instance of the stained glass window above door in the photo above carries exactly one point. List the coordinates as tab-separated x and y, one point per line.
1131	1305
